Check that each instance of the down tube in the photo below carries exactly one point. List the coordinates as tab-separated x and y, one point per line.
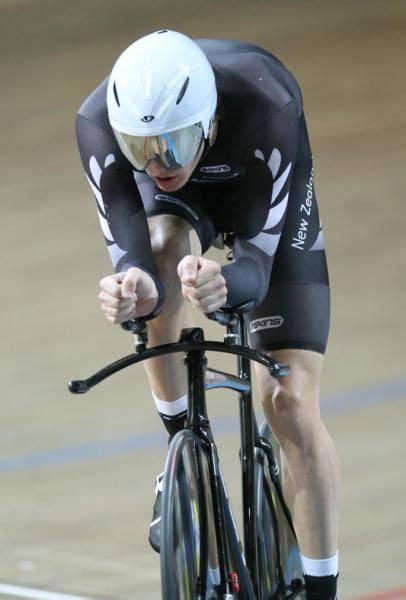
246	591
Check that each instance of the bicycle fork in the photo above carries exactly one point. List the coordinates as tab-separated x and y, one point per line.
198	422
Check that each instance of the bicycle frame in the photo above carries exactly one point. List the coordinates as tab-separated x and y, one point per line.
200	378
196	363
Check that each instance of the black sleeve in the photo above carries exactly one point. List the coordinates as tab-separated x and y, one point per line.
262	207
120	209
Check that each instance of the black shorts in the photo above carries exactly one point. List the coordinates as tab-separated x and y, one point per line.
296	310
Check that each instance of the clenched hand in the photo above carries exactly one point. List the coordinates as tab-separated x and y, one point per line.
202	283
127	295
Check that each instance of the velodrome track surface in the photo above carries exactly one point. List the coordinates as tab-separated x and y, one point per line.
77	473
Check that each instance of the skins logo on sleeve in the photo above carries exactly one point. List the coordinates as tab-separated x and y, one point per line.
216	169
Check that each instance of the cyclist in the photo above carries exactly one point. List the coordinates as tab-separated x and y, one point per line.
186	140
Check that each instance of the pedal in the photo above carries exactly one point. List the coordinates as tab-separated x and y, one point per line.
234	583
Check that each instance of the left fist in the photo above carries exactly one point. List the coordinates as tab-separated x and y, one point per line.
202	283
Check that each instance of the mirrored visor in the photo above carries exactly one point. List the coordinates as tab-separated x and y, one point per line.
173	150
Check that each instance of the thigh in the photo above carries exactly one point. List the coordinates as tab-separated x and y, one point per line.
172	235
296	310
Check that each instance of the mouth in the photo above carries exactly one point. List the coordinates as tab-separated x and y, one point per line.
164	178
168	182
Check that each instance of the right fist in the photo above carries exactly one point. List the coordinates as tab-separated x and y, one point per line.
128	295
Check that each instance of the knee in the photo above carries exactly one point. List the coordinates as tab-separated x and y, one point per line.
283	401
293	414
172	238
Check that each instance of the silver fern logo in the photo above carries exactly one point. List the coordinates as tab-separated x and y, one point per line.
96	172
268	239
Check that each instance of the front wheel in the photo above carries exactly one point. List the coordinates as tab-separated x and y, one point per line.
189	559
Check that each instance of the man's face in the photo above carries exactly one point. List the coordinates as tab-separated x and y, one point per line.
172	180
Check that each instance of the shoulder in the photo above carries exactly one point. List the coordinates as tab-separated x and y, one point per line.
260	103
250	75
94	134
93	130
94	108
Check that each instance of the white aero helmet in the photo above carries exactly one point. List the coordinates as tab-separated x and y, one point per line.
161	100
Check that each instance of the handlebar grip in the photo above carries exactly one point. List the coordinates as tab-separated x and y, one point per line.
78	386
280	370
136	326
222	318
228	315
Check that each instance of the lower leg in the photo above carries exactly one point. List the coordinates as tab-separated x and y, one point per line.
310	464
311	488
172	239
166	374
311	491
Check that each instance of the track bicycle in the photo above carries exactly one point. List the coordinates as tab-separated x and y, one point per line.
202	554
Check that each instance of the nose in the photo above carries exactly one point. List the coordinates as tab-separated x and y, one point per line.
156	167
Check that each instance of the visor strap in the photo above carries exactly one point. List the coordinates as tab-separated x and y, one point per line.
206	150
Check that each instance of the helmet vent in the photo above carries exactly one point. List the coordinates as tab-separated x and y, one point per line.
115	93
162	31
183	90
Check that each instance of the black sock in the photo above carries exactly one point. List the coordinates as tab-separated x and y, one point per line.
321	588
174	423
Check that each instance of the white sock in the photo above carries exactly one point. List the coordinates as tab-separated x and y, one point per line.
171	409
214	574
320	568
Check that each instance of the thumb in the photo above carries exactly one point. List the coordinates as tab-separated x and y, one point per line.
187	269
129	285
